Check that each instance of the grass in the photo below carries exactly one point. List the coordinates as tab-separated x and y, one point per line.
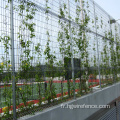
34	92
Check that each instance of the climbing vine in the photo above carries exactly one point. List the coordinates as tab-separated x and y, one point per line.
26	11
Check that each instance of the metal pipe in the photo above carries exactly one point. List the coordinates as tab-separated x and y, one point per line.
72	60
13	59
97	45
112	53
81	6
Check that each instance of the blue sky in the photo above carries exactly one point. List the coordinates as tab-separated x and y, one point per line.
112	7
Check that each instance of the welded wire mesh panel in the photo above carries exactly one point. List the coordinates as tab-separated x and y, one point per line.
119	109
110	115
62	49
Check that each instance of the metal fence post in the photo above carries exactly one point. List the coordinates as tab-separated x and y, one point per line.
13	59
98	60
115	72
112	53
81	6
72	60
